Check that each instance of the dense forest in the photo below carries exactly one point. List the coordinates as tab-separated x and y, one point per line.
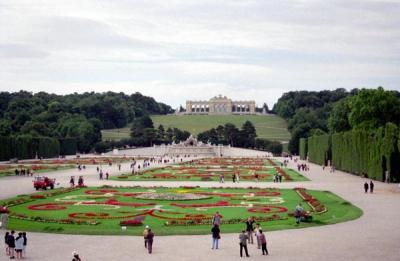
309	112
79	116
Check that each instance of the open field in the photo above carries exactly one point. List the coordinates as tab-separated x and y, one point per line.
269	127
185	210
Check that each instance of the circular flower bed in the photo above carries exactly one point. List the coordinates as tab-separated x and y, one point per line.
171	196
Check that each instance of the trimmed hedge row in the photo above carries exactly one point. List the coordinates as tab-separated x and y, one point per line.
360	152
303	148
29	148
319	149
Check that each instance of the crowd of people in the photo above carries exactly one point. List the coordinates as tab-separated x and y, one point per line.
23	172
15	244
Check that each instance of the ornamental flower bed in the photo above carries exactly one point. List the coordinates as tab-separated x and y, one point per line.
212	169
314	203
137	221
109	208
193	222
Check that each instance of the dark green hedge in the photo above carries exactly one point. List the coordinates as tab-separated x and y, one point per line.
28	148
319	149
360	151
68	146
303	148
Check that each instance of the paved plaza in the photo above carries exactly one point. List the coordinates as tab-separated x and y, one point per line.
374	236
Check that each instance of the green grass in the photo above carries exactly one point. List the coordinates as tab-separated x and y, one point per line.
269	127
211	170
338	210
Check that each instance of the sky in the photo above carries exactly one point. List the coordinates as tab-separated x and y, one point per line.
196	49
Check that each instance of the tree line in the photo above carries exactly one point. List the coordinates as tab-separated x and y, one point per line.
246	137
309	113
363	135
78	116
144	134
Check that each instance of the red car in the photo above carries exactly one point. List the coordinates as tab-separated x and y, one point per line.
43	183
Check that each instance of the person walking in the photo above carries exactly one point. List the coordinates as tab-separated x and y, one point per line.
25	243
72	182
11	243
19	245
257	232
216	219
297	213
215	236
250	229
263	242
145	233
243	243
75	256
371	186
150	238
6	243
366	187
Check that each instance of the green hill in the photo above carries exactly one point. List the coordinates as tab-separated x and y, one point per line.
270	127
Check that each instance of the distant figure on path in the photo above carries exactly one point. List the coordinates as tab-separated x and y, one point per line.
297	213
216	219
257	232
366	187
19	245
243	243
6	243
215	236
371	187
263	241
150	238
387	176
250	229
72	182
145	233
75	256
11	244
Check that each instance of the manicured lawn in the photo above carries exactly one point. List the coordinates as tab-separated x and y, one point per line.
170	211
212	169
270	127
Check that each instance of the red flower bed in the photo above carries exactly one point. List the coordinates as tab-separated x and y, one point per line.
314	203
268	209
115	202
284	174
37	196
50	206
218	204
100	191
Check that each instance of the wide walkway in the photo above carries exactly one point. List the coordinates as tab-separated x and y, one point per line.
374	236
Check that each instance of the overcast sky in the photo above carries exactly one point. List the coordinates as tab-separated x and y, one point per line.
192	49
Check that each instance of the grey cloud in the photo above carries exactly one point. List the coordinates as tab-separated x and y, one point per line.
76	32
15	50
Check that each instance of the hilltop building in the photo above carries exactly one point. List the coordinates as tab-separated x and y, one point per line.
220	105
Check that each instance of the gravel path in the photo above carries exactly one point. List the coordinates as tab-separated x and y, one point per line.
374	236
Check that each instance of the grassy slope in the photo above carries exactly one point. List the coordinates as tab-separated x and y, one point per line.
338	211
269	127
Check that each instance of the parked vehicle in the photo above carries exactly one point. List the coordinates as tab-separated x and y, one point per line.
43	182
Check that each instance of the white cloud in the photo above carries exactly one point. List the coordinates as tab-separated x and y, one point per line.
181	49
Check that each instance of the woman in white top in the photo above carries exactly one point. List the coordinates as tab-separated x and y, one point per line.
19	245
